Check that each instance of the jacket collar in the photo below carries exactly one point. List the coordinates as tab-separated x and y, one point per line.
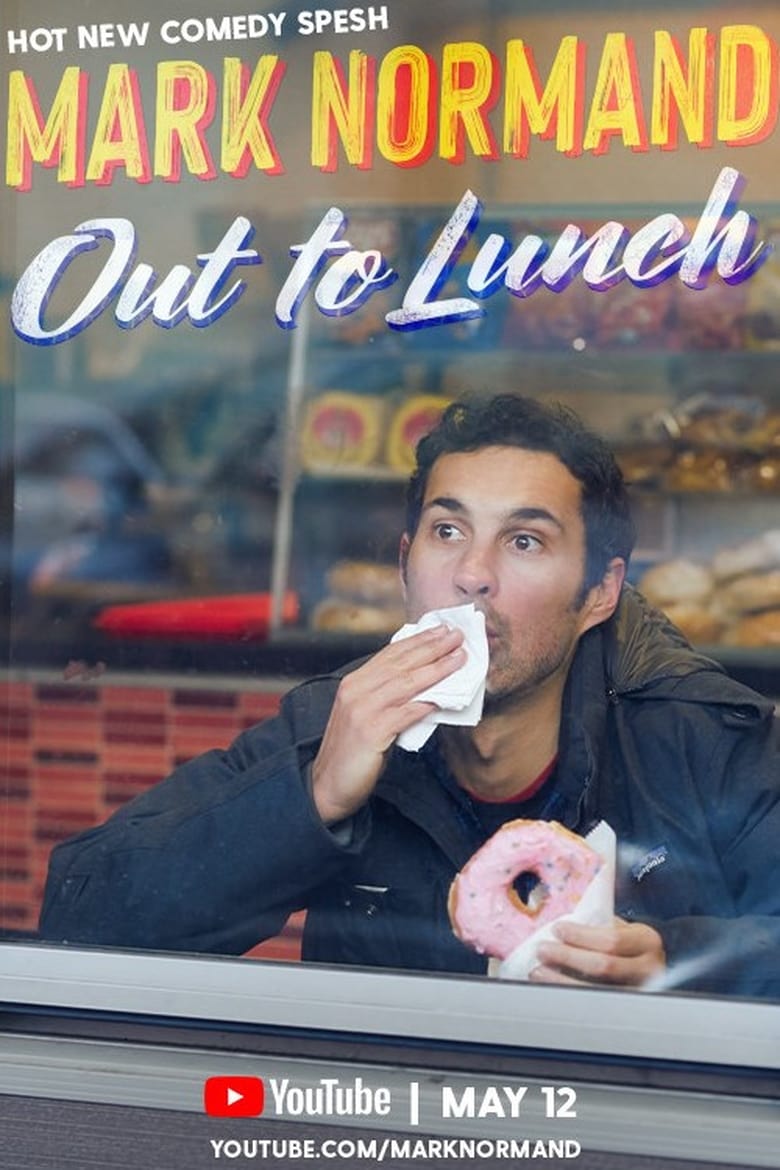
638	654
646	656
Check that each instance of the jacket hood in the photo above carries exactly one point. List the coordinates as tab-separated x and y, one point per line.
645	654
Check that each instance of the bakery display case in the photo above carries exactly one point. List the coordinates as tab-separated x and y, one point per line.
682	382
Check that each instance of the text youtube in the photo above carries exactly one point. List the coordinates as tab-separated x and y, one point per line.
331	1097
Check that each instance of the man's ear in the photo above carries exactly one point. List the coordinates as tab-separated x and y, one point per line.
602	600
403	557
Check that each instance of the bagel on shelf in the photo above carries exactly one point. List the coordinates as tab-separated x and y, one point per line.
676	582
364	597
696	622
755	555
750	593
717	602
365	581
756	630
338	615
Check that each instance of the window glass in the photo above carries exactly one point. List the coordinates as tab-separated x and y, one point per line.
247	261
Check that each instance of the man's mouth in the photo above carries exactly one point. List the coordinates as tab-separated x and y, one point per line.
493	637
492	632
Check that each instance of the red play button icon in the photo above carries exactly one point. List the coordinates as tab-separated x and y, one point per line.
233	1096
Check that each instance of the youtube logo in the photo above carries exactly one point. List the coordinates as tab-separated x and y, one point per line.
233	1096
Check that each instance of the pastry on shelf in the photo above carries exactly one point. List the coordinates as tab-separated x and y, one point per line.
341	430
764	435
718	427
697	623
766	474
365	581
699	471
678	582
757	555
757	630
414	418
626	315
644	464
542	318
727	421
750	593
713	317
550	320
338	615
682	589
364	597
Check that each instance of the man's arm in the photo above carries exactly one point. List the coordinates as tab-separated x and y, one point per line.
216	857
213	859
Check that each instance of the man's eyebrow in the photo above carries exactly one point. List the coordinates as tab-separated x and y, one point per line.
447	502
451	504
534	514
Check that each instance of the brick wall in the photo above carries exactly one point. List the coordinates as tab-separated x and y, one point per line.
73	752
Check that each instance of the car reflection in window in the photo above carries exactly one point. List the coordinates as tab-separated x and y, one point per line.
84	526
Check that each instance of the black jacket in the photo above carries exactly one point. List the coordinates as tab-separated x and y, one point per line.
655	739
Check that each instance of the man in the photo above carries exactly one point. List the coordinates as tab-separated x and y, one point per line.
596	708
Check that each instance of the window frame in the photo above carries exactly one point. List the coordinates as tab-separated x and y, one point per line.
358	1002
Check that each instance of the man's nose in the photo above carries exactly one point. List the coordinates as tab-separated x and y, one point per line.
475	574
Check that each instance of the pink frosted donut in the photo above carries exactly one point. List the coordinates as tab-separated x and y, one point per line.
485	910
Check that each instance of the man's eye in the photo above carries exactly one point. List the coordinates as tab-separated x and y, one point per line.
446	531
524	542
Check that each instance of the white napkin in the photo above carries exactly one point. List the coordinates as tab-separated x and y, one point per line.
596	907
459	697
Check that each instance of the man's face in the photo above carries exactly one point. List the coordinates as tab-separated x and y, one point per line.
502	527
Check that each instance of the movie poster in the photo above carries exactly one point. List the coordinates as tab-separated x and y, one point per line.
248	258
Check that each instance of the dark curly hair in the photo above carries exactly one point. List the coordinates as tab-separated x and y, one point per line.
509	420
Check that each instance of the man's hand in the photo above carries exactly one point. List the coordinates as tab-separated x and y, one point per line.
623	954
373	705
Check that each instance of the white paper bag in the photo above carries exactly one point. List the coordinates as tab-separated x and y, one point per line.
596	907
